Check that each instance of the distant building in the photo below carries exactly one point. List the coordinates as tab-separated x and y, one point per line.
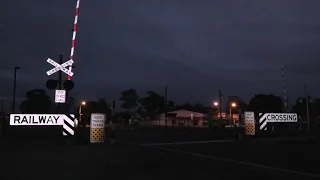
224	115
180	118
183	114
189	119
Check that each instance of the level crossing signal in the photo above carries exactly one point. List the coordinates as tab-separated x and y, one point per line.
51	83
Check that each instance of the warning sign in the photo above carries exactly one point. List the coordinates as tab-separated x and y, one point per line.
97	132
249	123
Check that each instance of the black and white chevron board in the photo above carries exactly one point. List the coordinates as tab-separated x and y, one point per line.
265	118
68	125
67	121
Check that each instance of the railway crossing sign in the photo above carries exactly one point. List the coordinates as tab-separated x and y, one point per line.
67	121
265	118
60	67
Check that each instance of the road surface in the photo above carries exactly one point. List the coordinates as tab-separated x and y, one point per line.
133	160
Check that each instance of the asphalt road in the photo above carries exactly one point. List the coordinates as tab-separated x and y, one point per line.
141	154
298	157
165	134
48	160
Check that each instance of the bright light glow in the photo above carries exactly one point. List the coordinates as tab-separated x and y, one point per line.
76	122
83	103
233	104
215	103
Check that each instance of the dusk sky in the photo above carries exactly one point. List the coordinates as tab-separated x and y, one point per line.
194	46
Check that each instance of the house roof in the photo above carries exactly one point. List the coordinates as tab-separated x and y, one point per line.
185	111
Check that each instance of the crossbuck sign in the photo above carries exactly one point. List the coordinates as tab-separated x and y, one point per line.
59	67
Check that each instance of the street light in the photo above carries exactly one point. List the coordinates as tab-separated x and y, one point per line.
215	104
83	103
14	88
232	105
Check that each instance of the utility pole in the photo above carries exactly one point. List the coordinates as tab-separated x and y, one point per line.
166	104
285	97
60	74
113	112
307	105
220	103
60	81
14	89
1	105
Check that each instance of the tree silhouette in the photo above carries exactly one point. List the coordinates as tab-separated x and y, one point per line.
102	106
170	105
189	107
37	102
69	105
130	100
263	103
142	112
99	106
105	108
200	108
316	107
153	104
185	106
240	105
300	106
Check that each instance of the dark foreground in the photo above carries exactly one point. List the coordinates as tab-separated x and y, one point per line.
122	161
135	158
143	154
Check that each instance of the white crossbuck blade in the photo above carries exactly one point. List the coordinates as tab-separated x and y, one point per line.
59	67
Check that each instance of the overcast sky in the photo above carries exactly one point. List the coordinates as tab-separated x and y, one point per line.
194	46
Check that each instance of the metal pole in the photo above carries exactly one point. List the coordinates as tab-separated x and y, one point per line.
220	104
14	89
166	104
111	116
1	108
80	114
60	74
307	106
230	116
67	105
113	111
60	81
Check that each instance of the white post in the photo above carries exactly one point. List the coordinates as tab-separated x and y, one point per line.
80	121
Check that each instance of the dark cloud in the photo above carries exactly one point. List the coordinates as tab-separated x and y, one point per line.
196	47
